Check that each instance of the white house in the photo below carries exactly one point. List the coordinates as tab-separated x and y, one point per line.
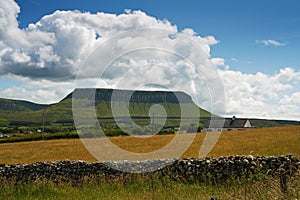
226	124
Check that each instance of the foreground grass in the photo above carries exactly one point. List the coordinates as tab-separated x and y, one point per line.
154	188
266	141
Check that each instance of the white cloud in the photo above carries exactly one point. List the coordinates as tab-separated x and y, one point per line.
40	91
289	106
46	56
270	43
218	61
261	95
55	46
234	59
36	95
293	99
19	57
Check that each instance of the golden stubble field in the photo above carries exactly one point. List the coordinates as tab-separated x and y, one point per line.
265	141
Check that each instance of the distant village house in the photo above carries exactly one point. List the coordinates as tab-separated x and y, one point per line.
2	135
226	124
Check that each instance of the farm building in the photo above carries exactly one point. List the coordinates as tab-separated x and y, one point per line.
226	124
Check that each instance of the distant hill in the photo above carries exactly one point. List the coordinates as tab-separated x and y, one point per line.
25	113
19	112
12	106
272	122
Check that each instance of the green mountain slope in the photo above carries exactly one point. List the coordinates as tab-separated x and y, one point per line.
12	110
12	106
139	105
24	113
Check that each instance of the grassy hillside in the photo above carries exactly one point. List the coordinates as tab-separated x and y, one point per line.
11	110
13	106
26	113
51	113
272	123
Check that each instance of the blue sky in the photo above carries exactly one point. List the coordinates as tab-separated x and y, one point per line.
254	45
236	24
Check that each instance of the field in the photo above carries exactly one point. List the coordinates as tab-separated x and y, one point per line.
266	141
266	189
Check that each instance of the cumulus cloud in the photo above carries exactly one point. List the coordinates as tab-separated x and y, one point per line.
270	43
289	106
35	95
56	45
270	96
68	44
36	90
104	50
293	99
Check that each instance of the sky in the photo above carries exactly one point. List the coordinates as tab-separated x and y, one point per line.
252	47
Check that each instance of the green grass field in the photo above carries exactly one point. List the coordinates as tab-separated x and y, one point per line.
154	188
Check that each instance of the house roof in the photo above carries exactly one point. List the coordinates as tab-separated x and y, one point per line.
225	123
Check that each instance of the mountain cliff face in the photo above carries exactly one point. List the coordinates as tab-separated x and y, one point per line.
132	96
138	103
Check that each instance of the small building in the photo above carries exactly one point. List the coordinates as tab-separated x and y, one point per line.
226	124
2	135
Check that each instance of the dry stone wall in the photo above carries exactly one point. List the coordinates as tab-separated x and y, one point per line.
199	170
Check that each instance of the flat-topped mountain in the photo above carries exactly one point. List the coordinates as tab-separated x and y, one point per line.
19	112
138	96
138	103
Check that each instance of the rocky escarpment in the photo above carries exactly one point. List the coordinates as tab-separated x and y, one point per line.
134	96
137	102
196	170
